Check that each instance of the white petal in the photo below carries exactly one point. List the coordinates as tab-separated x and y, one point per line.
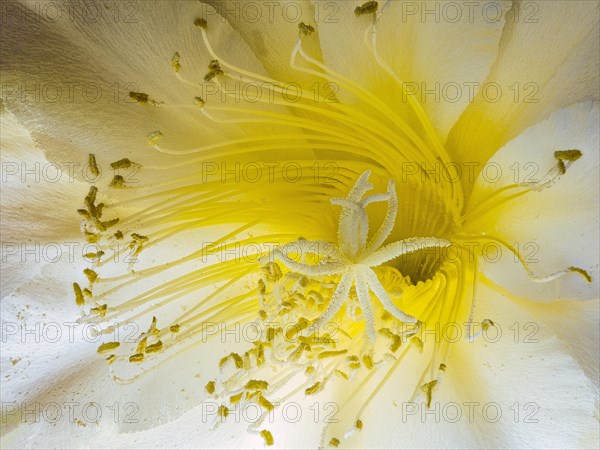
576	324
544	398
57	363
557	227
547	61
271	31
432	51
39	200
80	73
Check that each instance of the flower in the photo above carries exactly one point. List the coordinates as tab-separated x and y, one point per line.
228	136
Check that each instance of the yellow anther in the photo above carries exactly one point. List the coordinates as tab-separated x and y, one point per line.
344	375
199	102
334	442
119	234
107	346
359	424
331	353
91	197
91	275
154	348
175	328
139	97
141	347
353	362
140	238
118	182
233	399
262	401
585	274
100	310
214	69
152	329
93	165
486	324
568	155
124	163
202	23
366	8
154	137
297	328
223	411
210	387
317	387
137	358
268	437
256	385
305	30
78	295
237	359
260	355
175	62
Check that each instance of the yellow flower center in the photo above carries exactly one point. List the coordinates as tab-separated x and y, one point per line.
332	299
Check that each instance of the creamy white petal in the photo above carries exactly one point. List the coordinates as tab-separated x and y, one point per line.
271	31
576	324
439	48
49	359
37	196
548	60
69	80
557	227
520	391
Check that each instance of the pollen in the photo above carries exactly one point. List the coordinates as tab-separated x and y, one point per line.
305	30
584	273
268	437
108	346
201	23
175	63
124	163
210	387
93	166
139	97
348	300
118	182
137	358
367	8
78	295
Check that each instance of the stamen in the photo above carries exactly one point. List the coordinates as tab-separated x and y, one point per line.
93	165
201	23
369	7
175	62
305	30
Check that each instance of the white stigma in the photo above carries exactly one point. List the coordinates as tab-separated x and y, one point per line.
357	254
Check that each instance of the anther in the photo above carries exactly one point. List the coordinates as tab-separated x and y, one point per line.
201	23
366	8
93	165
